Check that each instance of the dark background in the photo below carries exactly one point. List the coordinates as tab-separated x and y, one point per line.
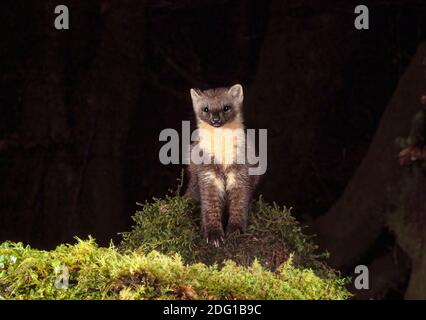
81	109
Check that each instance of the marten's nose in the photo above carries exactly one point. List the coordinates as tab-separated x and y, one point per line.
215	118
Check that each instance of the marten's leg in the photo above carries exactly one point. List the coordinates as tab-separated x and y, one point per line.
212	193
239	190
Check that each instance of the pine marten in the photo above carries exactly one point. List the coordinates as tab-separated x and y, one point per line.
223	181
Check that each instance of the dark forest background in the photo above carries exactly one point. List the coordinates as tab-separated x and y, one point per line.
81	109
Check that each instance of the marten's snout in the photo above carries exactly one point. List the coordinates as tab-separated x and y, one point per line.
215	120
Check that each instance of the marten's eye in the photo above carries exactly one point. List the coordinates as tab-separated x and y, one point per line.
206	109
226	108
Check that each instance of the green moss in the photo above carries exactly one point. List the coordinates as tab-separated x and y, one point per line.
106	273
165	257
172	225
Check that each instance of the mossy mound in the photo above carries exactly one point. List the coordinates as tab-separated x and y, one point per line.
165	257
172	225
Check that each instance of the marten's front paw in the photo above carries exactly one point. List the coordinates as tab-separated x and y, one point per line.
234	227
214	235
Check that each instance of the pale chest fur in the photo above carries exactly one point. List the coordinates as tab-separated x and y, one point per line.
226	144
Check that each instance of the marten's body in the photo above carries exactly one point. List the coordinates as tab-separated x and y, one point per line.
225	181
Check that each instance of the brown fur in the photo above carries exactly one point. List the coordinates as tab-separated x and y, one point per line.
218	186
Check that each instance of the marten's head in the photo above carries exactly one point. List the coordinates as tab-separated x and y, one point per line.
220	107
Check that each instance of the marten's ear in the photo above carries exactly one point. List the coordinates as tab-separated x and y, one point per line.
195	94
236	92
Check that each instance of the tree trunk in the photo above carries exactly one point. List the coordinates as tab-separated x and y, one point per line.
81	93
293	84
383	194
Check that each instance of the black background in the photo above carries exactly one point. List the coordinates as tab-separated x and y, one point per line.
81	109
